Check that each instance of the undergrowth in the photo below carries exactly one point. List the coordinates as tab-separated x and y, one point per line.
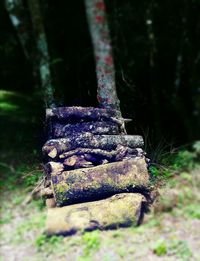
175	162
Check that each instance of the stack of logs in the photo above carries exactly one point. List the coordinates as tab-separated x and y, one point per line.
98	174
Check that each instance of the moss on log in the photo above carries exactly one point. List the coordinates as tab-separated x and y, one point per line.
119	210
99	182
64	130
53	148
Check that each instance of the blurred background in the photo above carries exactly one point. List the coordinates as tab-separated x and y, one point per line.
156	54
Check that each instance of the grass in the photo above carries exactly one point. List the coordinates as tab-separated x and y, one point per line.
177	248
160	248
91	242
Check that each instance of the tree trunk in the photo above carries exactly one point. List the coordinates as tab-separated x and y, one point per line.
98	182
43	52
106	86
19	18
53	148
117	211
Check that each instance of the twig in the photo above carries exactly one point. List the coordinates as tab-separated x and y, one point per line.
34	191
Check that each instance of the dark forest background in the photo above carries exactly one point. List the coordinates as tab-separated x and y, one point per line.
156	46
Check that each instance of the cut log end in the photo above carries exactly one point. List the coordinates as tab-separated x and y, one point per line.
50	203
117	211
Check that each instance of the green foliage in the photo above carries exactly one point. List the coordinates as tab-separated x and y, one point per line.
180	249
160	248
184	160
186	176
5	106
175	163
122	251
23	175
192	211
40	241
180	161
196	147
154	171
33	222
6	218
91	242
43	240
158	172
31	179
55	61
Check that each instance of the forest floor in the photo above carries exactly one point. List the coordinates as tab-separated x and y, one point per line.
169	232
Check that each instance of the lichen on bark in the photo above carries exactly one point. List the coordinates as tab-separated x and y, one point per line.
98	25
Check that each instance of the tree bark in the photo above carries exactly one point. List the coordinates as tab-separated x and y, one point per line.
98	25
117	211
19	19
43	52
53	148
98	182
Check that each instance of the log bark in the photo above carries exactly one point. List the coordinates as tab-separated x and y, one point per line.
81	113
53	148
117	211
98	182
103	153
65	130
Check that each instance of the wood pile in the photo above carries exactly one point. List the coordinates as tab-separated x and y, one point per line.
97	173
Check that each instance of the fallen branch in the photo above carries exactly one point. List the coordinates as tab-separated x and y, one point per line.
35	191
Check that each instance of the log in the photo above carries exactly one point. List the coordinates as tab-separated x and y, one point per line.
97	152
99	182
54	168
94	154
64	130
53	148
50	203
71	161
77	162
46	192
120	210
81	113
